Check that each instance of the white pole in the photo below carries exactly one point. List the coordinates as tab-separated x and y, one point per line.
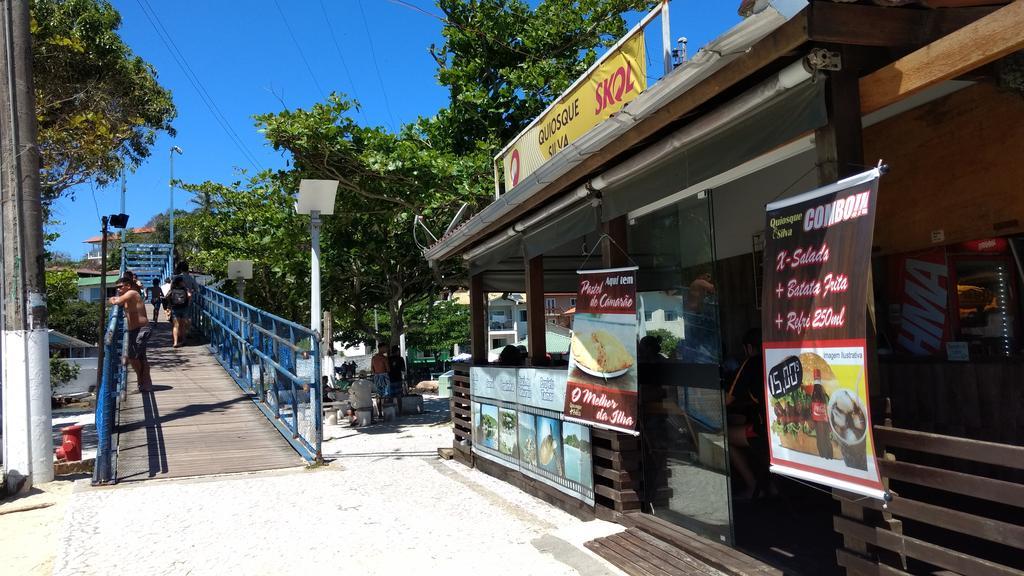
170	209
124	190
314	299
666	38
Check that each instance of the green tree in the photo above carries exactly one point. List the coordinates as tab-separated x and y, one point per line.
253	220
667	339
68	314
61	371
99	105
387	181
503	61
438	326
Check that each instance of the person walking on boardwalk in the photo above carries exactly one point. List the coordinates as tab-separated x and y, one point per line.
138	329
156	297
178	300
379	366
191	286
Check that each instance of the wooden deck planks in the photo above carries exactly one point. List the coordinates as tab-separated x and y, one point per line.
197	422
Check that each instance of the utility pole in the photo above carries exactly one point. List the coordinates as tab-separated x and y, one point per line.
28	447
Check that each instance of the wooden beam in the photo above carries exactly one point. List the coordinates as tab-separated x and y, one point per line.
613	256
970	47
478	319
535	311
839	143
863	25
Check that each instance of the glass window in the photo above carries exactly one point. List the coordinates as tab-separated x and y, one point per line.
549	303
572	302
681	399
522	315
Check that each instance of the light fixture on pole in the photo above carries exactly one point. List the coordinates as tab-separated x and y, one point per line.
170	185
316	198
240	271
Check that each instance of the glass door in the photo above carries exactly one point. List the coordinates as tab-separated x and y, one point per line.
682	410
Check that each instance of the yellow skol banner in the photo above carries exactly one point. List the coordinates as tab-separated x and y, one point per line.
616	80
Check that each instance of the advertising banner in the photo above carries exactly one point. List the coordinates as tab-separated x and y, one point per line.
923	318
601	388
617	79
493	382
522	427
816	282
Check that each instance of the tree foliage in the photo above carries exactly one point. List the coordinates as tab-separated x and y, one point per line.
62	371
251	220
387	181
438	326
99	105
68	314
503	61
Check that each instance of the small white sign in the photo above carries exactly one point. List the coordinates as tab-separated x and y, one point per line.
938	236
957	352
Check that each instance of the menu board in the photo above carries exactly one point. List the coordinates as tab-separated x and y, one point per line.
523	428
601	388
816	282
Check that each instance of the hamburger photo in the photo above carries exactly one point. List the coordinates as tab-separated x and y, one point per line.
800	415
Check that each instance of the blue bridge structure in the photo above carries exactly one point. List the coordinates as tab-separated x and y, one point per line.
242	395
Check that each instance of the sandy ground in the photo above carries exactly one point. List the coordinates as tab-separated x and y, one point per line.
386	504
30	525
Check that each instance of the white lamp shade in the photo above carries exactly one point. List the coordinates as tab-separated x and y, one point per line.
240	269
316	195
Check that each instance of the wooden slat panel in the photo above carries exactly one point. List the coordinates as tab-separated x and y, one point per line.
977	486
855	564
921	550
978	526
966	449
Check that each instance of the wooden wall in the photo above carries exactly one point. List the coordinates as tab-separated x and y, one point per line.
956	164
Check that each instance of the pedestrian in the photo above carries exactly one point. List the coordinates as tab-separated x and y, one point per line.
138	329
134	281
379	368
396	371
156	297
192	288
178	301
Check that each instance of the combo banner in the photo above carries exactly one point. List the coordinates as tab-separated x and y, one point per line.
517	422
816	281
601	386
613	82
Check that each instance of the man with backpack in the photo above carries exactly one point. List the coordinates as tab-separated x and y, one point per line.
178	301
191	287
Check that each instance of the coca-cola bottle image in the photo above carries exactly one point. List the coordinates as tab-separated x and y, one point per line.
819	416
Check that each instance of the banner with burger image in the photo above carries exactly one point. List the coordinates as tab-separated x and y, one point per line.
601	385
817	262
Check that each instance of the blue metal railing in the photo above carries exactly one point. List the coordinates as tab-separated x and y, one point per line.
112	386
274	360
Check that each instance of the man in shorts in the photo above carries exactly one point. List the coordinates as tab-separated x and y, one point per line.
138	329
381	382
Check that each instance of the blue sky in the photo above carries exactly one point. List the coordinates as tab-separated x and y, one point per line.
245	59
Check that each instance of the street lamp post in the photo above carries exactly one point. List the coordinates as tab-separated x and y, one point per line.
170	185
316	198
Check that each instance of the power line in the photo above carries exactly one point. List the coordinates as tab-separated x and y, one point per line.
341	57
193	79
299	48
373	56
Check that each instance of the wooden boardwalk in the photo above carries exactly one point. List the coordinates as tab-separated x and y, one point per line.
196	422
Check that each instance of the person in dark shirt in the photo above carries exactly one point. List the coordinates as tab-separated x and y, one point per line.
744	407
396	370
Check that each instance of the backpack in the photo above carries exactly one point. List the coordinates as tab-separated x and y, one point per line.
178	297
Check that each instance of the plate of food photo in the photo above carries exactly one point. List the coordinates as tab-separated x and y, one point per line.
599	353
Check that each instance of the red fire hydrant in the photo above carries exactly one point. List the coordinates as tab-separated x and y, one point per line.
71	448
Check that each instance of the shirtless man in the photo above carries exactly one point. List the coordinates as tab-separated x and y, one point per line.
138	330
